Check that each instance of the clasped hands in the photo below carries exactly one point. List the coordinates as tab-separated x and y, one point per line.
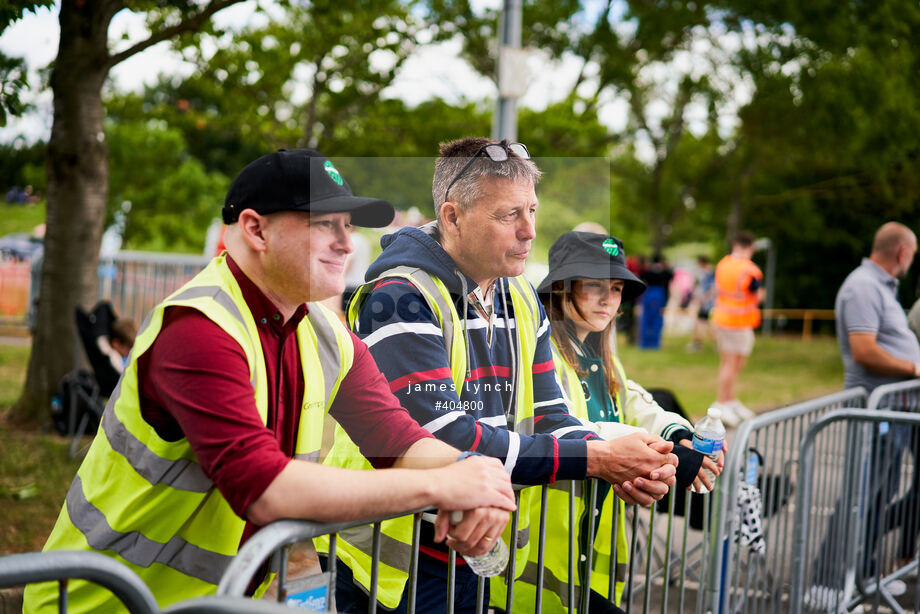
641	467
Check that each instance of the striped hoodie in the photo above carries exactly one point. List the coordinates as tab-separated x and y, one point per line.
405	339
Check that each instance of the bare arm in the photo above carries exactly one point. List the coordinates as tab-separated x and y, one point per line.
326	494
868	353
427	453
318	492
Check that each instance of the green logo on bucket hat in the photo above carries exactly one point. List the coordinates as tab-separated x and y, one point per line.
329	168
611	247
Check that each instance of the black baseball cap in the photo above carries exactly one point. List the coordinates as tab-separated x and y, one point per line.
590	255
300	180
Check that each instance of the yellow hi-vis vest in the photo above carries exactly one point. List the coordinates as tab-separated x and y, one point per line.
354	545
555	595
145	501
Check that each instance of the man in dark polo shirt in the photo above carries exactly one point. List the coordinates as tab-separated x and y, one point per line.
211	429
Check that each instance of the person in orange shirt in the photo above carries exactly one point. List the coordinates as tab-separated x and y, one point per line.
739	292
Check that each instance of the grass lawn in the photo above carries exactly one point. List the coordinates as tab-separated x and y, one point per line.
34	477
13	362
21	218
781	370
35	472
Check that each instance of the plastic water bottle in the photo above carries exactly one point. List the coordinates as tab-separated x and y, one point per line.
708	438
492	562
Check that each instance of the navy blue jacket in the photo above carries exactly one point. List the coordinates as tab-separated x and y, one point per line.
405	338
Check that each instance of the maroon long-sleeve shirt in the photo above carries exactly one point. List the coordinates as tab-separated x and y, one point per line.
195	383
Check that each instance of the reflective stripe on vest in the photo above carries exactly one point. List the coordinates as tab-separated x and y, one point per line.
181	474
396	546
147	500
438	298
136	548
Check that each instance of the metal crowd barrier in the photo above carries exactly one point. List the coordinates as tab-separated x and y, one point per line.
902	396
846	513
62	566
272	542
678	562
668	554
226	605
667	564
763	455
135	282
893	562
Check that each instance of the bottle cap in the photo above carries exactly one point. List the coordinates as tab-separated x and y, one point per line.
715	413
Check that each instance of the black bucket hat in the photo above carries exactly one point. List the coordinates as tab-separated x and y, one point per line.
300	180
592	256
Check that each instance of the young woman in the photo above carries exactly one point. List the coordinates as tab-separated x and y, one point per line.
587	281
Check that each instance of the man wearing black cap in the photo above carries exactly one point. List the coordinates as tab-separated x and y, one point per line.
211	429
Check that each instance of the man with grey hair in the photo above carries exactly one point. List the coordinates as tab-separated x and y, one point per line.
465	346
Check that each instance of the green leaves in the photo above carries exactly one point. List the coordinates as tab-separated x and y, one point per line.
173	198
13	10
13	83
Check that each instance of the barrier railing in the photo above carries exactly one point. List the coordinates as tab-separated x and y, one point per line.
763	455
226	605
135	282
21	569
900	396
63	566
898	546
842	546
665	569
683	556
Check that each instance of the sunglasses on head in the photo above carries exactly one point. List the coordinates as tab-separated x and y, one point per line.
496	152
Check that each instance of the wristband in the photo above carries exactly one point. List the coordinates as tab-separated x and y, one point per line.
467	454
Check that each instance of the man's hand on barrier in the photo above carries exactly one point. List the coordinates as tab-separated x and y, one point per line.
645	491
640	455
475	534
476	481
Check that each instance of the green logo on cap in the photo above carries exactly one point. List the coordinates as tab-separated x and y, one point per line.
611	247
333	172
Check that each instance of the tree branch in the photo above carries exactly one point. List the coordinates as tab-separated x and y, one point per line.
675	127
638	110
189	24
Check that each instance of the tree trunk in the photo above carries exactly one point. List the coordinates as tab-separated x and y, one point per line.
77	166
735	219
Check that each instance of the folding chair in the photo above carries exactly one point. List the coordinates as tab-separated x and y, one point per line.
83	392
